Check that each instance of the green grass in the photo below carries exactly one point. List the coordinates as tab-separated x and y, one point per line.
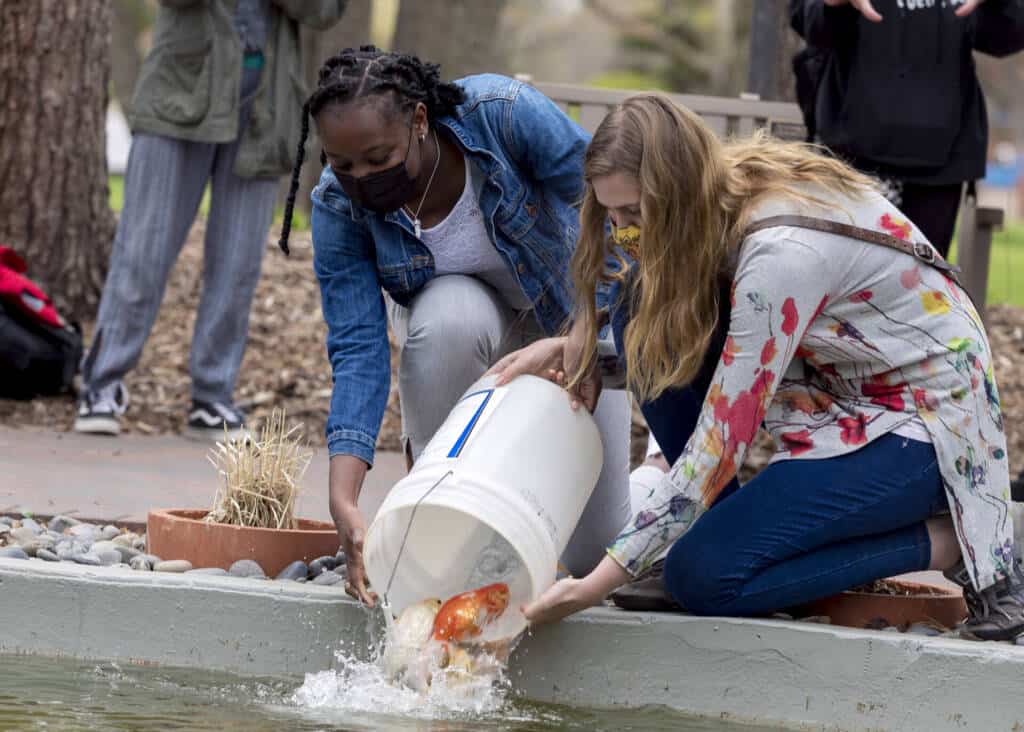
1006	266
300	221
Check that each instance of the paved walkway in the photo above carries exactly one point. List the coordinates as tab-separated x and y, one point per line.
122	478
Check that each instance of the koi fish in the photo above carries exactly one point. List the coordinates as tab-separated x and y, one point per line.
464	616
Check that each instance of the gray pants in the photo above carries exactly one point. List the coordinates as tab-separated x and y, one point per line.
162	191
450	335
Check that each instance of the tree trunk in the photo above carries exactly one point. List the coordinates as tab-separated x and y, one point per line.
351	32
458	34
54	206
772	46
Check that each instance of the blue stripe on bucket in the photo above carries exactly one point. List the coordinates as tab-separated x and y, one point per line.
461	442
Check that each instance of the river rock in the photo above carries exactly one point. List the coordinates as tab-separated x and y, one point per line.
924	629
104	546
32	548
322	564
124	539
47	556
109	531
31	523
141	563
328	578
213	571
177	566
88	558
126	552
83	531
295	571
12	552
60	524
247	568
23	534
108	557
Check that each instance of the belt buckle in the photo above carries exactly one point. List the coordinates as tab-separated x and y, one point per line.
924	252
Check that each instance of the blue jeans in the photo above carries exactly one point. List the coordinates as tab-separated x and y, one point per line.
801	529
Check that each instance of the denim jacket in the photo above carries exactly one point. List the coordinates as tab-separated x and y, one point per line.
531	155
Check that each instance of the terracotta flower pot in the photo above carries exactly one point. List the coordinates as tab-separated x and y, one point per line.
912	602
176	533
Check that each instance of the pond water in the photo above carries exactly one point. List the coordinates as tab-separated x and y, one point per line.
63	694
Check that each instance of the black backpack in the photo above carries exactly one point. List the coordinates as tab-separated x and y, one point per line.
39	351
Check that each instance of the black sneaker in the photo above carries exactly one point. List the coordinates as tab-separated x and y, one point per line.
215	421
995	613
99	412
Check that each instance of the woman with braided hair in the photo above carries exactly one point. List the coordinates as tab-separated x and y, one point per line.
459	201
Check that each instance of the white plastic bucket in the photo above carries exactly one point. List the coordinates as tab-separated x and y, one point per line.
494	497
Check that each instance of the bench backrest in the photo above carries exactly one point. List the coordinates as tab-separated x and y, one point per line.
727	116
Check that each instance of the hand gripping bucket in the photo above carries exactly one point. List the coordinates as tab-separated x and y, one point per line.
494	497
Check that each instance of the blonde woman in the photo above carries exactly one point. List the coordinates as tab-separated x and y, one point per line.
868	365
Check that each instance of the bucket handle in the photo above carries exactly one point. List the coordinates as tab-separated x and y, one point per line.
408	528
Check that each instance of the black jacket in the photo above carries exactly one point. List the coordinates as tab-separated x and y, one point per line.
901	97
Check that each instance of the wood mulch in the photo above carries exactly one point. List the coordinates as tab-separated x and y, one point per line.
286	364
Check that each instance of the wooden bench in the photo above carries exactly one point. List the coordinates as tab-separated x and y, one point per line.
741	116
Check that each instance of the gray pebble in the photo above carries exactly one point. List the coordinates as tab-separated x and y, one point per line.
32	548
126	552
23	535
88	558
922	629
141	564
124	539
294	571
61	523
173	565
247	568
328	578
322	564
109	531
86	531
109	557
47	556
104	546
12	552
213	571
31	523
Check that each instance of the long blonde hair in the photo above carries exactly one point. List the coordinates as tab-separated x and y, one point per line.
695	197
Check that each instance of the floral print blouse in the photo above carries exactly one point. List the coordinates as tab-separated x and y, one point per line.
832	343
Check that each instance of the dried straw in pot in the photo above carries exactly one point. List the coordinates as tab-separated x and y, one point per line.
261	477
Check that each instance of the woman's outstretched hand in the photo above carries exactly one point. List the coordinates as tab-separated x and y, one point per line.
569	596
542	358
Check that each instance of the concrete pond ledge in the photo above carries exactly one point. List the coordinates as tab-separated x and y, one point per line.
800	675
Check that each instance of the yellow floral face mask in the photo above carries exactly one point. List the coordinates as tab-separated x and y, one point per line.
628	238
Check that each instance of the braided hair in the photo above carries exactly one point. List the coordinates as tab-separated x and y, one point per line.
355	74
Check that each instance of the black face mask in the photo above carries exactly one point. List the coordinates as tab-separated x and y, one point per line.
383	191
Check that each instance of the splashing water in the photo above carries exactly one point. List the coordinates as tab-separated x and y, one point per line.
365	686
